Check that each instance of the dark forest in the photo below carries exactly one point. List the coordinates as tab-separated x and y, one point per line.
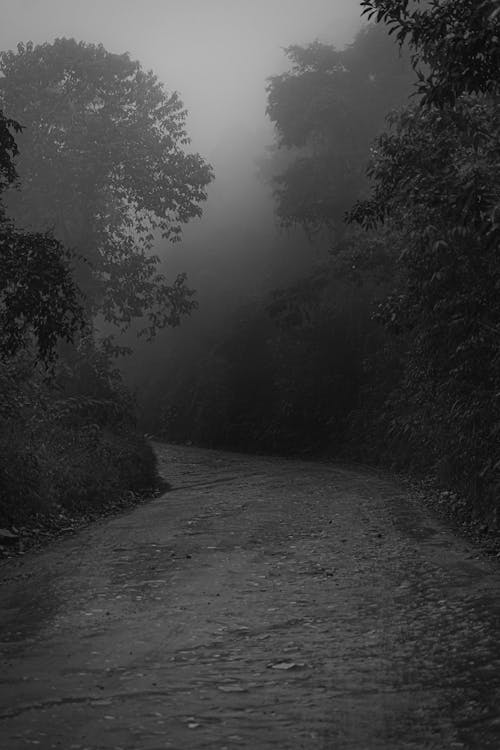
366	328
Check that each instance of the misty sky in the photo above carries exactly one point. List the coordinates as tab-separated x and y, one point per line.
217	53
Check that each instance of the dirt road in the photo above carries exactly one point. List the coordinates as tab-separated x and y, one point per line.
262	603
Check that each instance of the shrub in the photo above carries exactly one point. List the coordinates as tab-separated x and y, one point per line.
77	451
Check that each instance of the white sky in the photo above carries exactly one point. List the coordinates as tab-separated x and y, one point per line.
216	53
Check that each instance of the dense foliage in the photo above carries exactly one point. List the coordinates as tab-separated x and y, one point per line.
92	170
455	43
8	150
103	164
326	110
67	445
38	297
68	442
436	179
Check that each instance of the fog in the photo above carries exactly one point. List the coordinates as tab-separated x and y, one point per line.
216	53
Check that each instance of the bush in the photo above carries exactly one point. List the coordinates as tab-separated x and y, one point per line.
79	452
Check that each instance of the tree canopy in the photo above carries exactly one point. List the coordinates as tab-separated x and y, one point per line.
435	180
455	43
8	150
327	109
37	294
103	164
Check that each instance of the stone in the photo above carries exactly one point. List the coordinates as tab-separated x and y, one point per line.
7	537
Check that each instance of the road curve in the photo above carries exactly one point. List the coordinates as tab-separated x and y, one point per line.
261	603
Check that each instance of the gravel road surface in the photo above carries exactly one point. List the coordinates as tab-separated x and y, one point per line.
260	603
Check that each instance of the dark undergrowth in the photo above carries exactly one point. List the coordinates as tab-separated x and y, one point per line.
68	445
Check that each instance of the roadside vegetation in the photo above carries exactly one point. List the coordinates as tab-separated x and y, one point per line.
81	208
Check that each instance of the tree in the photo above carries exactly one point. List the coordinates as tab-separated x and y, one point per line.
327	109
103	165
8	150
455	43
37	294
435	178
